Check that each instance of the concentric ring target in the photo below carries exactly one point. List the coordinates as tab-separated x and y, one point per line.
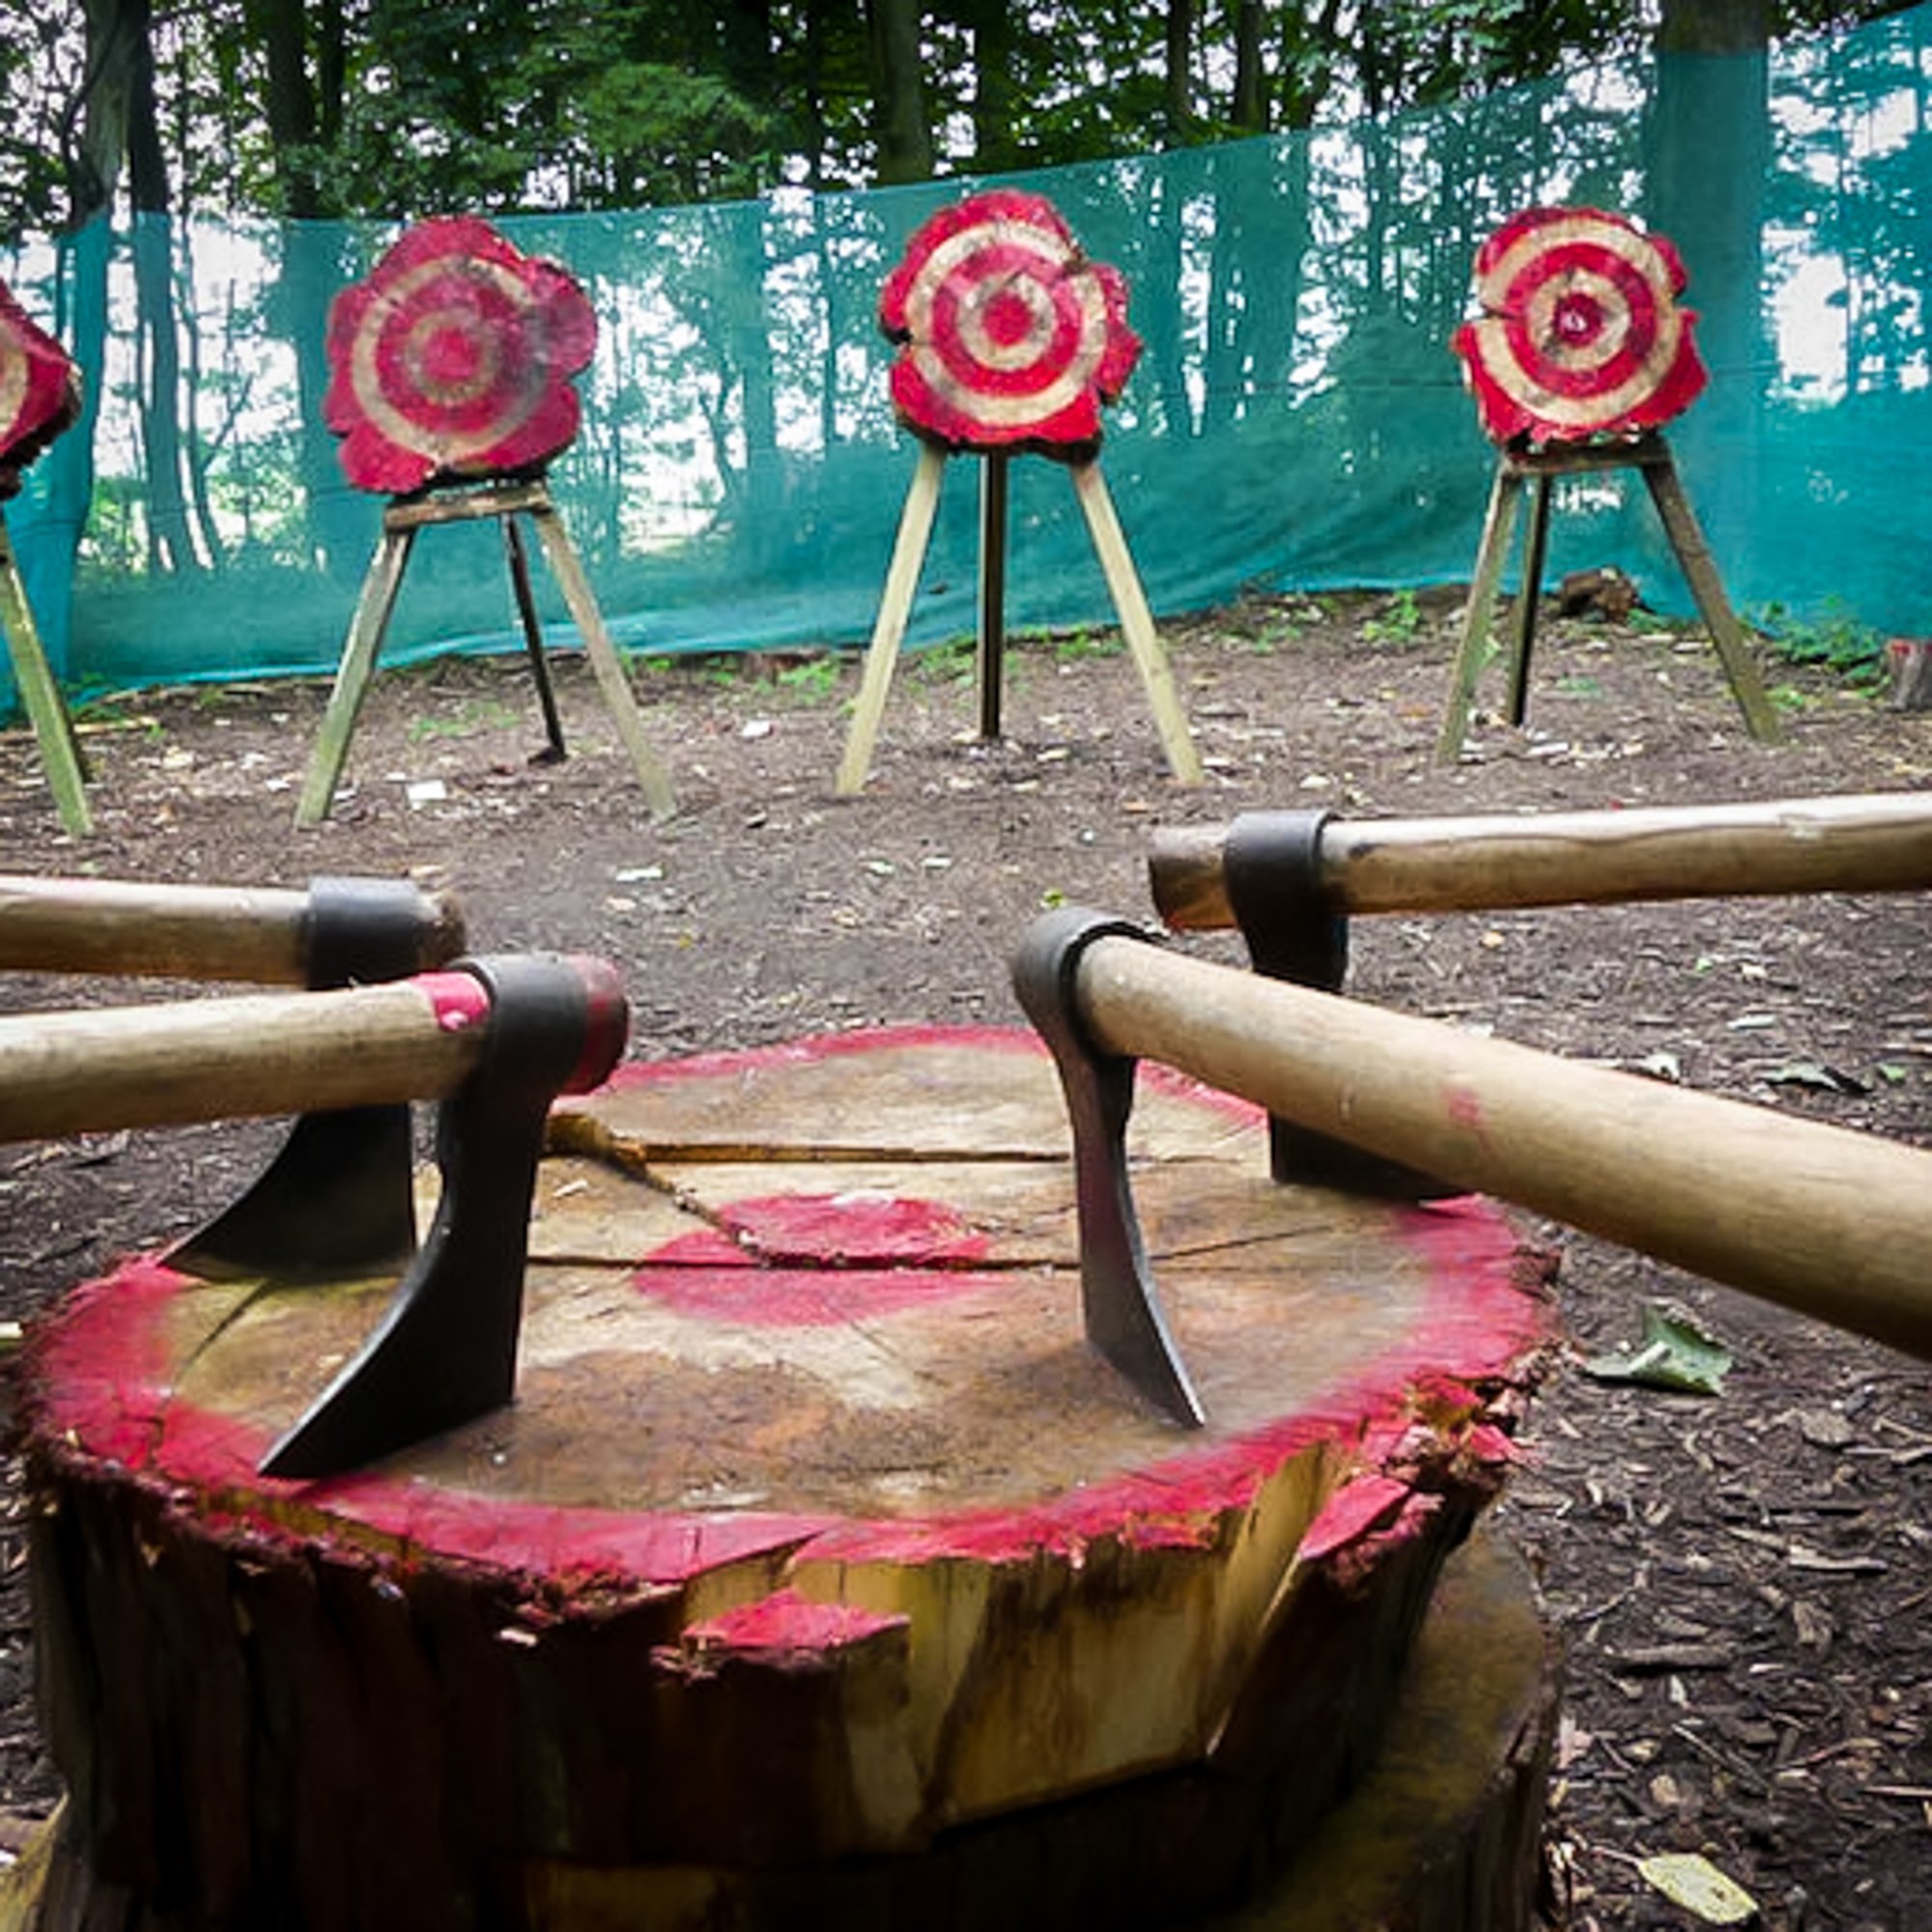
1581	334
39	389
1011	336
454	358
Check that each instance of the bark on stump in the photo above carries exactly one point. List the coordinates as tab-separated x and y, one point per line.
820	1573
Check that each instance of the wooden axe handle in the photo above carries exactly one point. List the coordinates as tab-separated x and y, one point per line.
1832	1223
1881	842
253	934
256	1054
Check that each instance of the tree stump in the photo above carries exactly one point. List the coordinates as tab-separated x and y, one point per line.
819	1574
1909	661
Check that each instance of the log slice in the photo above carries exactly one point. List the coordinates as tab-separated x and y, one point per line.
817	1550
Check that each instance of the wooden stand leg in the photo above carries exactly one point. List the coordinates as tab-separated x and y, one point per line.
1498	526
993	587
1522	633
604	662
41	694
1694	557
352	676
526	612
1130	605
894	609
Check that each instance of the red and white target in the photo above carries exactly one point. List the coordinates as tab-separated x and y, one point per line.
40	390
454	359
1580	334
1010	336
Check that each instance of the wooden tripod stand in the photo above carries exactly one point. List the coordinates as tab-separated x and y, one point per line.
451	504
1649	455
41	694
1124	586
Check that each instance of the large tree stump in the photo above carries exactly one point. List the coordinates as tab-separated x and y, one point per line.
819	1574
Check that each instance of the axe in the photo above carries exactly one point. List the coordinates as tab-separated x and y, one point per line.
1835	1224
1873	843
338	1193
494	1040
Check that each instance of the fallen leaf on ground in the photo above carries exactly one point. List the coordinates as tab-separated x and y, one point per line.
1816	1075
1675	1352
1695	1883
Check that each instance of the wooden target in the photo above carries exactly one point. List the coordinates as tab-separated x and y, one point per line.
454	360
40	390
819	1569
1580	334
1010	337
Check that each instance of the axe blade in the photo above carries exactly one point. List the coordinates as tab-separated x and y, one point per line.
1120	1305
445	1350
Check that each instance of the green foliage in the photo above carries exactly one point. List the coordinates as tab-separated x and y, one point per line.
481	714
1288	625
1400	624
398	108
1075	646
39	62
814	680
953	662
1835	638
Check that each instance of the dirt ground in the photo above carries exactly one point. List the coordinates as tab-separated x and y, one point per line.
1742	1580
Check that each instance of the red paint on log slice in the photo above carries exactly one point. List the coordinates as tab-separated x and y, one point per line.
102	1375
1580	334
758	1591
1012	338
785	1622
40	390
801	1260
454	359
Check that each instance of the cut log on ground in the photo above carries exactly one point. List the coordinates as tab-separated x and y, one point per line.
820	1573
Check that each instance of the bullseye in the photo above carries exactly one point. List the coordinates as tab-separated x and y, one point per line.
451	364
765	1264
454	358
1010	336
39	389
1582	335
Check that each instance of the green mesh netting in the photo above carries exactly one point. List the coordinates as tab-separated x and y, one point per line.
1297	419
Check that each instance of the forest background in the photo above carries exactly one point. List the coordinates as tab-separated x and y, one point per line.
1295	192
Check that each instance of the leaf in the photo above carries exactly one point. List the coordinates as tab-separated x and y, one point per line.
1675	1352
1695	1883
1815	1073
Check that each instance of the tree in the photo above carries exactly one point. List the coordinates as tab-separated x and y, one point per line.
902	126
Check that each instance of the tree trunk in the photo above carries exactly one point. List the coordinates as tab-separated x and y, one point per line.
1713	27
290	104
1250	111
95	159
900	123
1709	142
995	149
1178	67
170	545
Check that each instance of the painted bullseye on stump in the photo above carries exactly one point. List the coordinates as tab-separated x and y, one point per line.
40	399
820	1573
39	391
1580	333
454	359
1012	337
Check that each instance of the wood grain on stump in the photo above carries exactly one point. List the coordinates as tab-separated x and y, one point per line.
818	1565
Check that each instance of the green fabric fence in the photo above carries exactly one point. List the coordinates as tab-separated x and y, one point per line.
1297	419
